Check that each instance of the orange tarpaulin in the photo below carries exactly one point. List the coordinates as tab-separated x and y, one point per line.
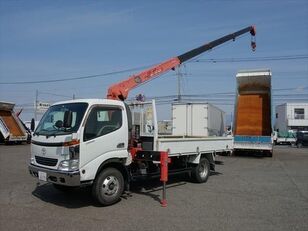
253	115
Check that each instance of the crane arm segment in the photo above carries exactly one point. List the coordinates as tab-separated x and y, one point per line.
119	91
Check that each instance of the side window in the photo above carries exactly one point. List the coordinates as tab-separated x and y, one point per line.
101	121
299	113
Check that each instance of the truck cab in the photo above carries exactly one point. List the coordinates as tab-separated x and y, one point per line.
73	127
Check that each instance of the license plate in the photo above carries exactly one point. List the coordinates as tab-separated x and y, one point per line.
42	176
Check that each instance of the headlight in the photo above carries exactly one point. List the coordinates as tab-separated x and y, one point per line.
32	160
69	165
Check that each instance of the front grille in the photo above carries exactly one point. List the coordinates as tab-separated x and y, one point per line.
46	161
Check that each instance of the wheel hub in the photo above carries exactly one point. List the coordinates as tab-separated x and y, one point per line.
110	186
203	170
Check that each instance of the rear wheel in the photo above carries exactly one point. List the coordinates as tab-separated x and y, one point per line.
108	186
201	172
299	145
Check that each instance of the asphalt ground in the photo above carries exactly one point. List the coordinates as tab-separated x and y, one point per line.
246	193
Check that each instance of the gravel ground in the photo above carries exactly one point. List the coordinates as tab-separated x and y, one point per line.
246	193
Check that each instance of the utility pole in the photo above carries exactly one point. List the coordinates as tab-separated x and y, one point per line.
179	78
35	106
231	124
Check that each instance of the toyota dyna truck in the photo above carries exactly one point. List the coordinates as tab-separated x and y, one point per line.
107	143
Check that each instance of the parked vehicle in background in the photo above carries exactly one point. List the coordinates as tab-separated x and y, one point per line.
252	120
284	138
11	128
301	139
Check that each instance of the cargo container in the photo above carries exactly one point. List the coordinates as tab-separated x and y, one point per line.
197	119
11	128
252	114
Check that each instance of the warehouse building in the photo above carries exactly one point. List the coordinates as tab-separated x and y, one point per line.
291	116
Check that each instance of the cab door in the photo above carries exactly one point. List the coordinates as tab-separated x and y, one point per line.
105	136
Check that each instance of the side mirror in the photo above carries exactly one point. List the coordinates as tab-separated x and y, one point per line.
32	126
68	118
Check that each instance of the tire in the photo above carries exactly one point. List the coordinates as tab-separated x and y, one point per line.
108	186
201	172
299	145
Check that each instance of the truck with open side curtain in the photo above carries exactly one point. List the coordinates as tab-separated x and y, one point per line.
107	143
252	113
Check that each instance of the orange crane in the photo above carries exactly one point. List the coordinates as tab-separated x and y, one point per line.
119	91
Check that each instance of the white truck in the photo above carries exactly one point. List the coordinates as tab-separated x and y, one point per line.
284	138
107	143
88	141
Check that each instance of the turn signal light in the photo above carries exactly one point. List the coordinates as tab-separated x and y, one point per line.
71	143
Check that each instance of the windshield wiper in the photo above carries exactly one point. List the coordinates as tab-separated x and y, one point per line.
47	136
38	133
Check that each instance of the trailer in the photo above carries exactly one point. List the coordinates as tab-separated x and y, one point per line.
11	128
252	121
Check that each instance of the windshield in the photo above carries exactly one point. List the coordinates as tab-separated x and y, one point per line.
50	124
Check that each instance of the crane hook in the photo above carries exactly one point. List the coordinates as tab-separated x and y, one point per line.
253	38
253	45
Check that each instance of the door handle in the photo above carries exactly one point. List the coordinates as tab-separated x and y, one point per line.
120	145
91	141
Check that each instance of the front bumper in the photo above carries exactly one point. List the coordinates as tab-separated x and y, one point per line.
57	177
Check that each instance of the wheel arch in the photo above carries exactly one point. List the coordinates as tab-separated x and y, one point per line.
117	163
210	158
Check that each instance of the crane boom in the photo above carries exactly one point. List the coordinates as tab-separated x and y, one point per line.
119	91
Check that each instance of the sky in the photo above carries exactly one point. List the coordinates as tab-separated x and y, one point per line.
56	40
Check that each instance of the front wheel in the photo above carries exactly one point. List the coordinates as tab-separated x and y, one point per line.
201	172
108	186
